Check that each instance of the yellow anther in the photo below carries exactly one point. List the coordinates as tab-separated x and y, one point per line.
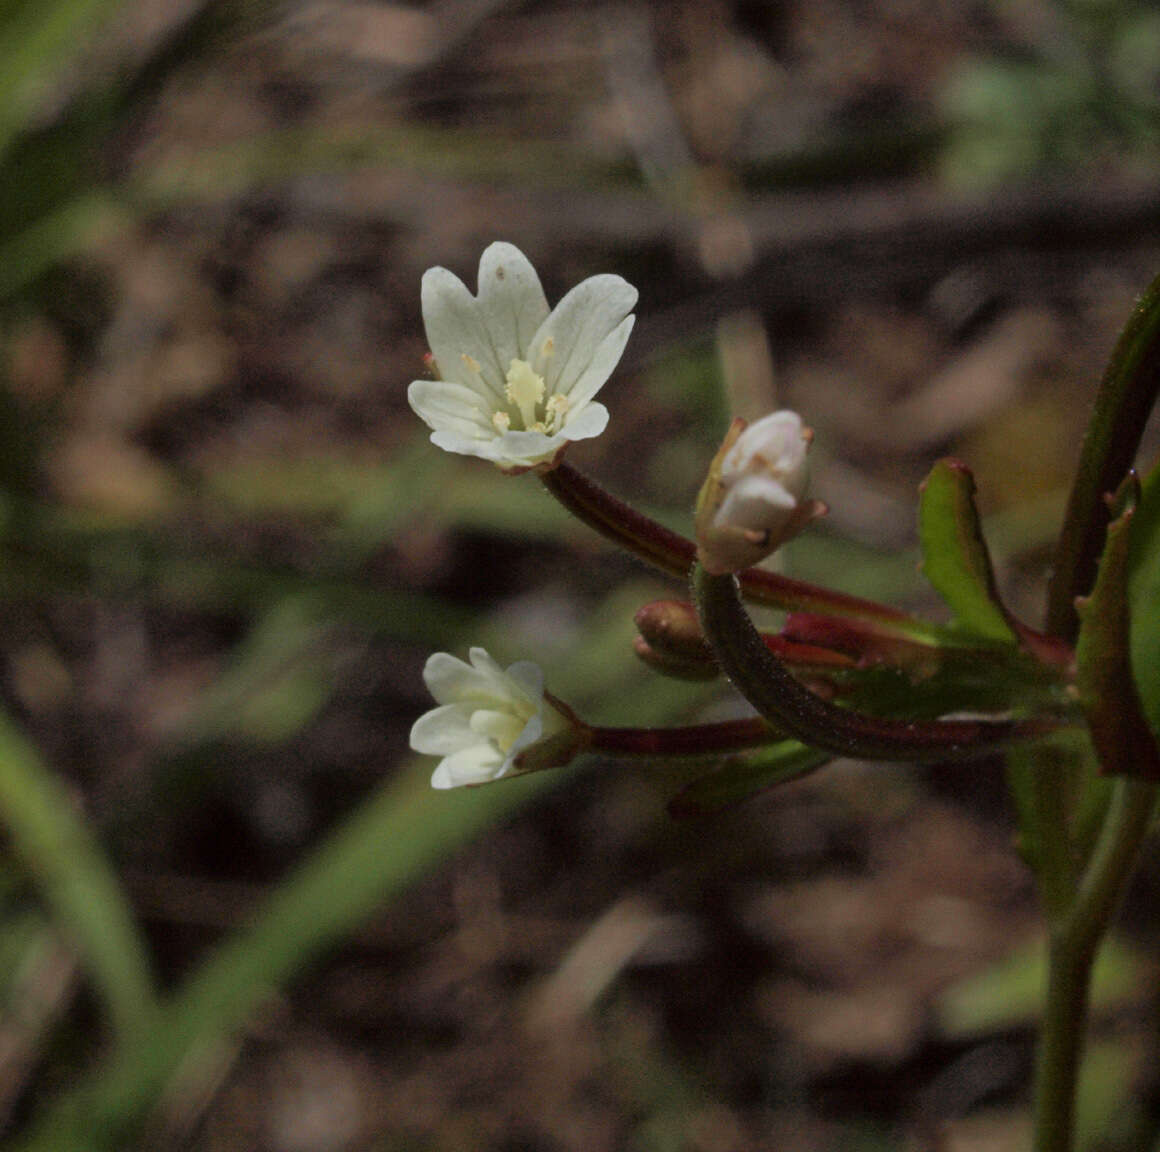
546	353
502	421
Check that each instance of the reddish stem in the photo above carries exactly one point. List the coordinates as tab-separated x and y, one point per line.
674	554
694	740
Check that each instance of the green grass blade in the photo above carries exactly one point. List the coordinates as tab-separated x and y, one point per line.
398	835
37	43
78	886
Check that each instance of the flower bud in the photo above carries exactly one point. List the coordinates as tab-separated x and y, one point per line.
752	501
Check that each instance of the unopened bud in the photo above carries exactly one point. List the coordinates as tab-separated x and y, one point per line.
753	501
671	641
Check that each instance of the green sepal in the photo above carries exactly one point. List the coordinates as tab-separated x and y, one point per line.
954	554
1143	595
742	777
1107	689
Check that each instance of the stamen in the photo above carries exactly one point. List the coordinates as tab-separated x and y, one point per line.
546	354
556	407
502	421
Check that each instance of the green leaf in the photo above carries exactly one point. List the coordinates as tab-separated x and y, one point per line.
954	555
1103	666
741	777
1144	599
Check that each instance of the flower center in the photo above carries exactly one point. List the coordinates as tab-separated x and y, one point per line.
525	389
500	728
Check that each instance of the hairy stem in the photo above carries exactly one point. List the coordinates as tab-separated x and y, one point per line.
790	706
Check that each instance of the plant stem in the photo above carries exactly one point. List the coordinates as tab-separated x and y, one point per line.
1040	786
1075	939
1126	395
791	707
674	554
1061	1046
692	740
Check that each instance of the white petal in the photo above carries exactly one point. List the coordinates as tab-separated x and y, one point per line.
524	448
577	326
443	730
776	444
485	664
602	365
756	501
451	408
590	421
502	728
529	676
455	328
511	302
532	732
502	685
475	765
470	446
451	681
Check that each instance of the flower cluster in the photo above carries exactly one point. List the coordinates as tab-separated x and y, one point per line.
515	385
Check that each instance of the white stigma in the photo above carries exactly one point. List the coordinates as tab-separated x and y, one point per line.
525	389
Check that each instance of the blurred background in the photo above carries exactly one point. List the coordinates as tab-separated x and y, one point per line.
226	549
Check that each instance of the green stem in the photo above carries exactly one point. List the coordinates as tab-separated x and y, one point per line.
87	903
1075	939
1038	781
1126	396
1123	401
674	554
791	707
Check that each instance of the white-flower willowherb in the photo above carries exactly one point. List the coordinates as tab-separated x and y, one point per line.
491	722
516	380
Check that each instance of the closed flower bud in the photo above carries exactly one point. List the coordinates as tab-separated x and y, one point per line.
671	641
753	499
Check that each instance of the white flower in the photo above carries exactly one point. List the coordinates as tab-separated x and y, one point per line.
488	717
516	381
753	500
